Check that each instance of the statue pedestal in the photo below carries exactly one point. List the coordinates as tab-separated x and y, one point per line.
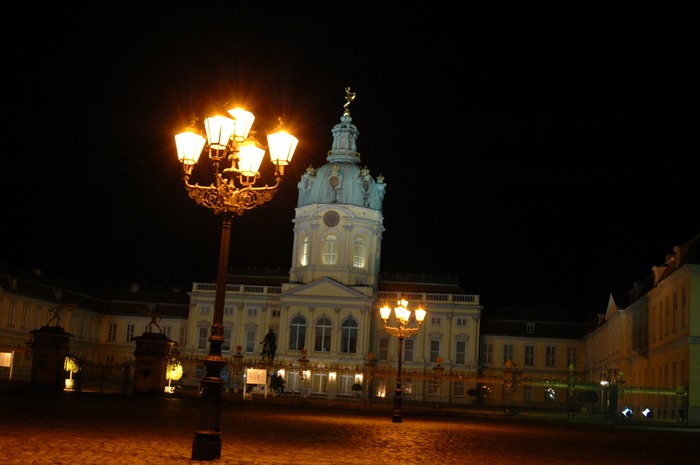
49	351
151	363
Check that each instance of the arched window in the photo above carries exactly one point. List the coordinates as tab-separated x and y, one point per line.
348	336
297	333
359	253
322	342
304	253
330	250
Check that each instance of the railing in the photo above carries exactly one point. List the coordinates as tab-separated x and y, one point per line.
426	298
384	295
238	288
95	377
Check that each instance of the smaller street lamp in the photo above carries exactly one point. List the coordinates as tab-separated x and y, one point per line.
402	330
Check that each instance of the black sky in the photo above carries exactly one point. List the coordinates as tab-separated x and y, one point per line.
544	155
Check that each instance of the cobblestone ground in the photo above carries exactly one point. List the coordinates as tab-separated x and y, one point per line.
82	428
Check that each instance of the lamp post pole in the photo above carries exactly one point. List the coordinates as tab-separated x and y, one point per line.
397	417
402	330
232	193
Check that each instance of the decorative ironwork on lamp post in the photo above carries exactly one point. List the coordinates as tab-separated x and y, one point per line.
236	157
402	330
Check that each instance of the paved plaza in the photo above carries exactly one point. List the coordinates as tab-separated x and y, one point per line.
70	428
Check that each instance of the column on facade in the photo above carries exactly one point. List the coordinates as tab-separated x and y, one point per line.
338	333
240	331
364	333
264	321
447	357
282	338
474	346
308	343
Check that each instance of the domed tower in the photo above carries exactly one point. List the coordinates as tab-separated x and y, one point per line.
338	221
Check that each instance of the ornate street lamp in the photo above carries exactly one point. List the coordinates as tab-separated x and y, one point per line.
402	330
236	157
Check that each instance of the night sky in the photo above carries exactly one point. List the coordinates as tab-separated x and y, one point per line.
545	156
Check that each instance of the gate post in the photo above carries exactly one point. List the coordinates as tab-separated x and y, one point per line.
49	351
151	363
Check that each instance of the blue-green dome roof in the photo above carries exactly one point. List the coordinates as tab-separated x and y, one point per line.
341	180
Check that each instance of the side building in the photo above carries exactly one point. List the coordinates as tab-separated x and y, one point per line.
648	341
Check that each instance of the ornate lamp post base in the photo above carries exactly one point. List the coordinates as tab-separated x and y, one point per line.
207	440
206	446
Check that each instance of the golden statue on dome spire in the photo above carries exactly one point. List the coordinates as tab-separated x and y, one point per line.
349	96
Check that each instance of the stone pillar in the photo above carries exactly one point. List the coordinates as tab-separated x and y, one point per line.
151	363
49	351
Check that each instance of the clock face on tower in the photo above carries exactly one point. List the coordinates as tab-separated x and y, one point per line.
331	218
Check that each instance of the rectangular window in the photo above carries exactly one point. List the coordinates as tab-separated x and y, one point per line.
228	311
110	360
250	341
572	357
322	341
434	350
39	310
304	255
383	352
435	320
407	385
675	317
319	383
227	339
81	326
408	345
461	352
462	321
551	359
297	334
23	317
527	392
202	338
530	328
330	253
112	332
487	354
276	313
348	338
11	315
432	387
130	333
252	312
529	356
204	310
183	335
458	389
358	258
508	353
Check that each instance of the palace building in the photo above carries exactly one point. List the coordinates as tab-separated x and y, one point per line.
642	352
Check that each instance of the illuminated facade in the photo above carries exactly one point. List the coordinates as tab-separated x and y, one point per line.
330	337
